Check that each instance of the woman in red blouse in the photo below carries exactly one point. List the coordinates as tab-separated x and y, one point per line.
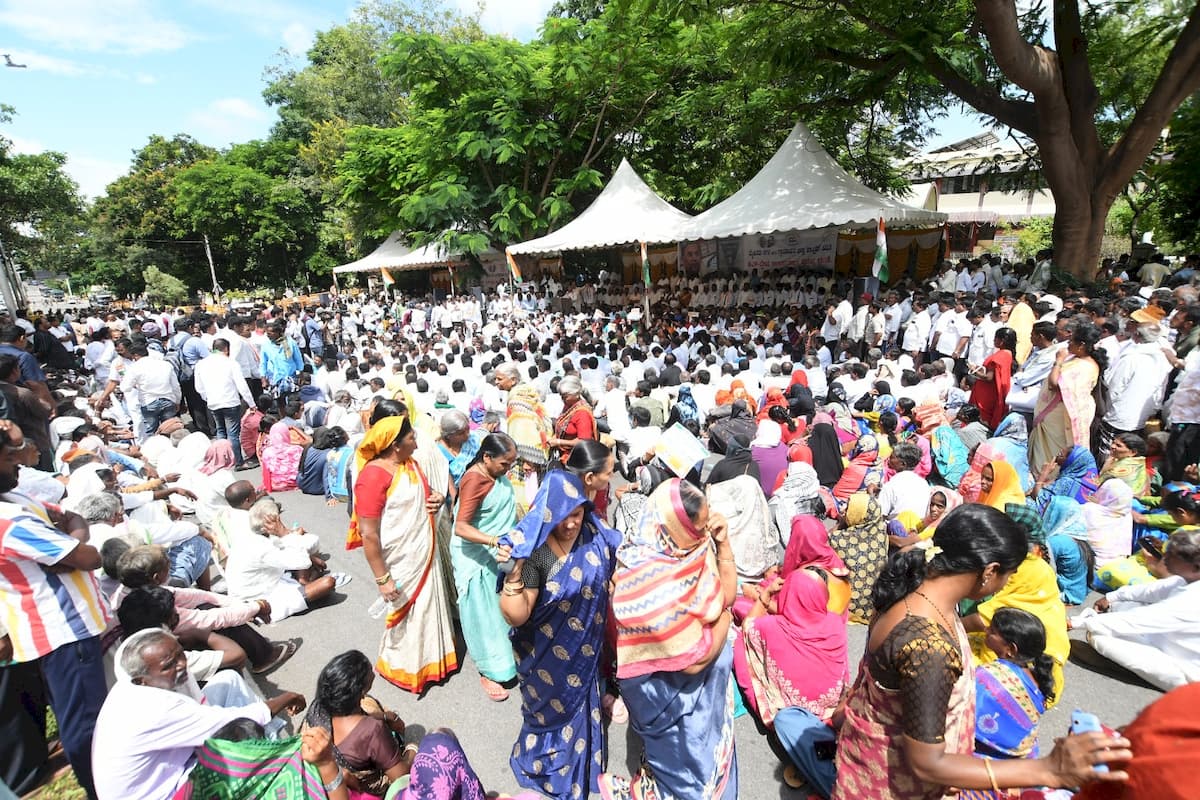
575	422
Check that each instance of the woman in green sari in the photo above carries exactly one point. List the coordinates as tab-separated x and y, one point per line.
486	510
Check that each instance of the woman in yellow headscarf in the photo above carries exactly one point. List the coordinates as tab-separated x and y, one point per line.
393	523
1000	485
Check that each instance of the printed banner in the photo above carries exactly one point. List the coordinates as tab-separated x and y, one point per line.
788	250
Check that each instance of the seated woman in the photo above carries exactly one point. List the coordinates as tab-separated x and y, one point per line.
1077	477
1127	462
969	486
1108	517
905	529
1011	440
770	453
1032	588
861	541
950	455
795	655
210	481
863	468
263	405
1011	692
368	742
999	486
1074	561
310	478
283	449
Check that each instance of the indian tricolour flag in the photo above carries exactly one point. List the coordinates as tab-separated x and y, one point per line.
388	280
879	268
513	267
645	266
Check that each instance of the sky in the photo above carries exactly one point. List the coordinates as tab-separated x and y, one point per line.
102	77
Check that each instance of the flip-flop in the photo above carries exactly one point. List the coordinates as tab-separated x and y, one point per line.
340	579
493	690
287	650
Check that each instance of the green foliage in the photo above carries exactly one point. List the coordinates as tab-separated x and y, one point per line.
1177	207
1035	235
39	206
164	288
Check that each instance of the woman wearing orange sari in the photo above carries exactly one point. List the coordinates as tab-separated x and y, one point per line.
993	378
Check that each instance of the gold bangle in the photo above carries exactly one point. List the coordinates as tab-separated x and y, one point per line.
727	560
380	580
515	589
987	764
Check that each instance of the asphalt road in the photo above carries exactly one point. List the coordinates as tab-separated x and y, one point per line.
488	730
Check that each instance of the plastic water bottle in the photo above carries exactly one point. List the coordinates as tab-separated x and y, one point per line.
381	608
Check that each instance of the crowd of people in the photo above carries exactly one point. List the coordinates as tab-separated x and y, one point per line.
662	522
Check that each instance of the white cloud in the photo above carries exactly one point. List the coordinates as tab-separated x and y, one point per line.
297	38
116	26
145	79
517	18
230	119
23	146
94	174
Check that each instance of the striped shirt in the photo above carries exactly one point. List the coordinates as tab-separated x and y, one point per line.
43	610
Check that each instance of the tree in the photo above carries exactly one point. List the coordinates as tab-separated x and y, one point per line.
164	288
40	205
1177	205
1036	74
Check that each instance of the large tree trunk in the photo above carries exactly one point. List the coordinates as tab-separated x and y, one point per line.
1078	236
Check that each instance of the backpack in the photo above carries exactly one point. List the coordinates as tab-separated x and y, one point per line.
174	356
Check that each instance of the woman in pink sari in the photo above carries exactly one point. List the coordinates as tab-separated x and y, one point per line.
1066	406
283	450
969	486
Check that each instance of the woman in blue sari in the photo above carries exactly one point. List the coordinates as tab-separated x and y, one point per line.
675	581
556	600
1067	537
1077	478
1011	439
1011	692
950	455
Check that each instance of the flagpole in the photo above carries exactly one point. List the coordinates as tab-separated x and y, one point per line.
646	281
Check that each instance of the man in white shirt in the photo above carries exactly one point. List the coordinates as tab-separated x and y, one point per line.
151	724
1136	383
156	385
837	320
1153	629
906	490
220	382
916	333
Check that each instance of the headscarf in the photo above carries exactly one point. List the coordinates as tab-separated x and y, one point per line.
949	454
218	456
1131	470
798	493
1109	521
1012	440
866	444
377	439
804	641
738	389
723	397
1006	487
809	545
1028	519
969	485
885	402
800	377
953	501
559	495
1064	516
190	452
1077	476
685	405
798	452
666	599
769	434
774	398
826	452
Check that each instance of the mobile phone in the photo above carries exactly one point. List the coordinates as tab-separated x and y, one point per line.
826	749
1152	547
1085	722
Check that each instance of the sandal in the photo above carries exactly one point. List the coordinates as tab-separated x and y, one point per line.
793	778
286	650
614	709
494	691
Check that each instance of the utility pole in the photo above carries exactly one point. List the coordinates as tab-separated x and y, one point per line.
212	271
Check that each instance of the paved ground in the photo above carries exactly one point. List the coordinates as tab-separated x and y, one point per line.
488	730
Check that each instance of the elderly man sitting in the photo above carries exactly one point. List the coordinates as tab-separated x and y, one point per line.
155	717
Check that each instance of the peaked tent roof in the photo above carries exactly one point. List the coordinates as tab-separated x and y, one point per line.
802	187
388	254
626	211
432	255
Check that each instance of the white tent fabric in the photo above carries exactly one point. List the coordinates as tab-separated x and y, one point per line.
626	212
435	255
802	187
389	254
920	195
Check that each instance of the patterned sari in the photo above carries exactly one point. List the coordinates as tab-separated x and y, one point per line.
251	769
1063	417
665	603
280	459
528	426
870	757
863	546
1008	706
560	750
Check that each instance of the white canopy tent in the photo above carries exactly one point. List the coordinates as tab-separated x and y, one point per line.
389	254
626	212
802	188
435	254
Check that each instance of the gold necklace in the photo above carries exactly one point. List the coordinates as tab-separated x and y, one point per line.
950	628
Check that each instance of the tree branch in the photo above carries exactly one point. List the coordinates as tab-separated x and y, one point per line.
1078	83
1178	79
1031	67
